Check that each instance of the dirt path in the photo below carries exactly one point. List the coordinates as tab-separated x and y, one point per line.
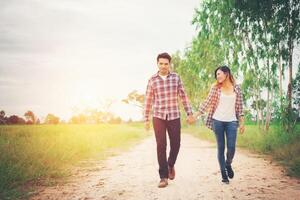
133	175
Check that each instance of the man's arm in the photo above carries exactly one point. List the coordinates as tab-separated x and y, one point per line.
148	104
184	99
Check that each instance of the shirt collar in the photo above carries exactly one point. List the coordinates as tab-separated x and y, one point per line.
157	74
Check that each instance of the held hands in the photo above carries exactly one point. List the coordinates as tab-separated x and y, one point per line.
191	119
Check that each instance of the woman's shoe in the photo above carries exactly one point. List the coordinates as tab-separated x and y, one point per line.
224	177
230	171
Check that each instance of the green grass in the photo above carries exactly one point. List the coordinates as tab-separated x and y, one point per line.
283	147
32	153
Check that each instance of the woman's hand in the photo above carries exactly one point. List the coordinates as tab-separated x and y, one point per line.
242	128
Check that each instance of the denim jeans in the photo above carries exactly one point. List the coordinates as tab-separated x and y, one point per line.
228	130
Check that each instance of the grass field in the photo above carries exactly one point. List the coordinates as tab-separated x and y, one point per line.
283	147
38	152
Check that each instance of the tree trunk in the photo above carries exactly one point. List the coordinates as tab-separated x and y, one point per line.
268	97
257	110
290	74
290	60
262	118
280	71
271	100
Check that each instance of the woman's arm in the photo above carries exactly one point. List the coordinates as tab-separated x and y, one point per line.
241	111
207	103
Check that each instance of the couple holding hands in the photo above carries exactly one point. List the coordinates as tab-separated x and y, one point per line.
224	104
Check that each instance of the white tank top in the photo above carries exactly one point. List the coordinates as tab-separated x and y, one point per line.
226	108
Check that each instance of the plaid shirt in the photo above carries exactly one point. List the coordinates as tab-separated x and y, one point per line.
162	97
212	102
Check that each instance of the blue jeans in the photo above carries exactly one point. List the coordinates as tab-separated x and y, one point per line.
228	130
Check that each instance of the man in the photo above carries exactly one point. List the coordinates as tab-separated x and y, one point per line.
162	93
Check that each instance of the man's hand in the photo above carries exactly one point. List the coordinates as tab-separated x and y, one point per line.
147	125
191	119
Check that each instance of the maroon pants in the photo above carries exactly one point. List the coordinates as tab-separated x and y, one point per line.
160	127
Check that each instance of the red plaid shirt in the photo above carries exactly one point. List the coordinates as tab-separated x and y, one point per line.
212	102
162	97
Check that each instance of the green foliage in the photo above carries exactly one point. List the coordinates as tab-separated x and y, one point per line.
255	38
296	89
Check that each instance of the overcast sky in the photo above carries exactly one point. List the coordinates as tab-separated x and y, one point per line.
58	55
63	56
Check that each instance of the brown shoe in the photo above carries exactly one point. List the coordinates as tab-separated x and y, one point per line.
171	173
163	183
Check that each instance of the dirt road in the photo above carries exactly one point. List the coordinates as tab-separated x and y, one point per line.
133	175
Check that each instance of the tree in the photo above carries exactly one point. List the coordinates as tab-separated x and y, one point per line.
30	117
261	105
74	120
296	91
51	119
14	119
136	99
2	114
2	117
115	120
289	18
255	38
94	116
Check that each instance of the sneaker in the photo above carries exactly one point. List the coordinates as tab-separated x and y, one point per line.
163	183
230	171
171	173
224	177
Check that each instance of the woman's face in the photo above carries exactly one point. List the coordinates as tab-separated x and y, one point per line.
221	76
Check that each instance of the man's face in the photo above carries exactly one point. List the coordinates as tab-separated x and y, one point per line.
163	66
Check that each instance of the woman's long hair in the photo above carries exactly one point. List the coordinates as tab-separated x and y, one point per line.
226	71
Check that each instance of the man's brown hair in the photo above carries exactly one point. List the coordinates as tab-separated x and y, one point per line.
164	55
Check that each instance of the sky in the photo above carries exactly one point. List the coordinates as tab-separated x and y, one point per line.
64	56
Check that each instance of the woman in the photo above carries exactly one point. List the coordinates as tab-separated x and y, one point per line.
225	106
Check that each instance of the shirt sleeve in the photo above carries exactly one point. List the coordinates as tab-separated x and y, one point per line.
208	101
184	98
148	101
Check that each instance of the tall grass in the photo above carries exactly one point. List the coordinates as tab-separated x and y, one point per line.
283	147
28	153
